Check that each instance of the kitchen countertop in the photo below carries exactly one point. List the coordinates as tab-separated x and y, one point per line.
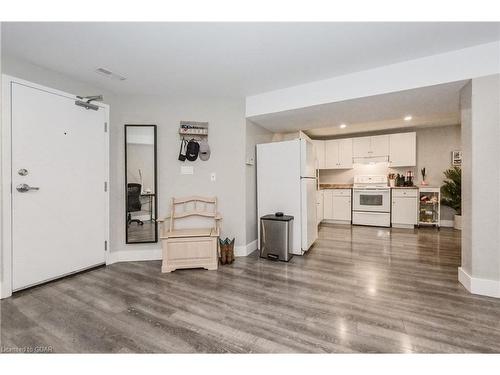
349	186
335	186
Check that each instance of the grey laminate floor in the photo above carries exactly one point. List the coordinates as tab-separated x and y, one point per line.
358	289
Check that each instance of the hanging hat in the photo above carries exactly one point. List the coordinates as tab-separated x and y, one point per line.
204	150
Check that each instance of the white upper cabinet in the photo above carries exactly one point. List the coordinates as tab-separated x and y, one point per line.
379	145
338	154
402	150
367	147
399	149
332	154
319	147
361	147
345	153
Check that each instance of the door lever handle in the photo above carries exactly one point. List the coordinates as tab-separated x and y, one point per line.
23	188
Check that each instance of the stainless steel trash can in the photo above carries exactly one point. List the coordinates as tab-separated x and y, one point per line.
276	237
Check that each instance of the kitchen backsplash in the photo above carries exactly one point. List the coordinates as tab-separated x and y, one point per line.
346	176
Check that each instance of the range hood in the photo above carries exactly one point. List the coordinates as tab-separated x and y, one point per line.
371	160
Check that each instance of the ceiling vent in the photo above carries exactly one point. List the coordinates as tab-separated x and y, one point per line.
108	73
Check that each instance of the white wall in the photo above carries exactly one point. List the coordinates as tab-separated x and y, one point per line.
451	66
33	73
466	122
255	134
1	164
486	177
480	271
227	143
226	138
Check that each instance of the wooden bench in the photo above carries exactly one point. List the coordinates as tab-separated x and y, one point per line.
191	247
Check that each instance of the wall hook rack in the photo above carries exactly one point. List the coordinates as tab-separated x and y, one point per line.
193	130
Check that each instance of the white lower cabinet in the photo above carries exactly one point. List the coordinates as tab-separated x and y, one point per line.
327	204
404	208
319	206
337	205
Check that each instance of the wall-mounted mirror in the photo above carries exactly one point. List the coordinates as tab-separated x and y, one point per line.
140	183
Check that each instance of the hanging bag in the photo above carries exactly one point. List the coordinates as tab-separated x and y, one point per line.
182	151
192	150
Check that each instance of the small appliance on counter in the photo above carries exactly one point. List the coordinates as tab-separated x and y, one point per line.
404	181
409	178
276	237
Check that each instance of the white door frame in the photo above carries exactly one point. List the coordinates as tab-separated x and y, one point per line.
6	177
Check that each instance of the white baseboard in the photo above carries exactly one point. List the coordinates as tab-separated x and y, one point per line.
403	226
133	255
328	221
155	254
447	223
245	250
484	287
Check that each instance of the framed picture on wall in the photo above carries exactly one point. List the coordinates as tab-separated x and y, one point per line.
456	158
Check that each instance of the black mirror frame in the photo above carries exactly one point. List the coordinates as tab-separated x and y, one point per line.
155	184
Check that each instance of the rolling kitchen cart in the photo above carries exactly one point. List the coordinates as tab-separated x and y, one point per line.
429	206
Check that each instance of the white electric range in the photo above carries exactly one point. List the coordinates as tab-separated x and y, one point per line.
371	201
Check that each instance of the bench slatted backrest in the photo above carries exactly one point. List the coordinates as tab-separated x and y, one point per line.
193	206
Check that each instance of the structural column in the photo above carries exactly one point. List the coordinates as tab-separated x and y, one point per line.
480	112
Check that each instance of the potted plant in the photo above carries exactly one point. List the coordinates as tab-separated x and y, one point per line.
451	193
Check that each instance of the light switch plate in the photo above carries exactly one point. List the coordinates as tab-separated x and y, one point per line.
212	177
187	170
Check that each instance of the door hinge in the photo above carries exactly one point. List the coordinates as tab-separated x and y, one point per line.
105	245
105	127
105	186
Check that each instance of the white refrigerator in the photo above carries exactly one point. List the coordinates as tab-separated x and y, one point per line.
286	182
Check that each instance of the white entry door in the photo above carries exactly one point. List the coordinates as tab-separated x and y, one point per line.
60	149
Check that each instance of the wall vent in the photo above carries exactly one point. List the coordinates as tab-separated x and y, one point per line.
110	74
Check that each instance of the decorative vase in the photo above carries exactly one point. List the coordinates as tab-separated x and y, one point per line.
457	222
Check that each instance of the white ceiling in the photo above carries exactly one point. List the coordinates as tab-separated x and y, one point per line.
429	106
233	59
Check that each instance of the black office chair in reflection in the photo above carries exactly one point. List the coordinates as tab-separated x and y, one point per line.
133	202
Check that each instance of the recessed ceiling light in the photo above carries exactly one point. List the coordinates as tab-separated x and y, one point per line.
408	118
343	126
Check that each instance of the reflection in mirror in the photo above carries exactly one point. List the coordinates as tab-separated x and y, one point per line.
140	176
